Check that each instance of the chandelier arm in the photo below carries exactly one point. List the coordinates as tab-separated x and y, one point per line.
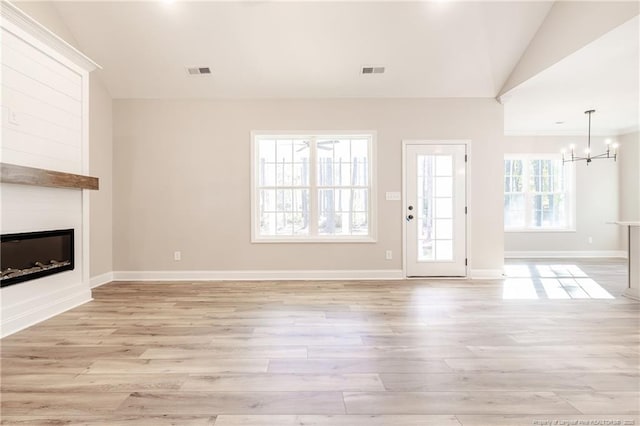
577	159
602	156
607	155
596	157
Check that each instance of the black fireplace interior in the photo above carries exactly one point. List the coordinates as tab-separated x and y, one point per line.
32	255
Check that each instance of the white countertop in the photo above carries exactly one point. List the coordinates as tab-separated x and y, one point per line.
627	223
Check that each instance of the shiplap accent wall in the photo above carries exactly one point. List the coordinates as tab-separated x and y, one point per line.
42	109
44	124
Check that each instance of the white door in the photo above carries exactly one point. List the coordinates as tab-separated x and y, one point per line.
435	210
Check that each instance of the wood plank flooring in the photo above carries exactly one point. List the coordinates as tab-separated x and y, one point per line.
552	342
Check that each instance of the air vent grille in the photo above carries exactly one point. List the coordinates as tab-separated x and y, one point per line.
372	70
198	70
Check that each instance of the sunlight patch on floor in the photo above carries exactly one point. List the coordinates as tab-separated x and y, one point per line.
517	271
550	282
559	271
554	289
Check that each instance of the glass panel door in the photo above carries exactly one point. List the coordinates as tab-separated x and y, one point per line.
435	216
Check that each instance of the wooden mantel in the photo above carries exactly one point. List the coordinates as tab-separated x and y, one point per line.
11	173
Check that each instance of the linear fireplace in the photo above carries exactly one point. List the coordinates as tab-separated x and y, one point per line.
32	255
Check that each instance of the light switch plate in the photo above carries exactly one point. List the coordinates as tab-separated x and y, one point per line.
393	196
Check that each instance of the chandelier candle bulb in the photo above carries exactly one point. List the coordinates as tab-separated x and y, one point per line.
588	157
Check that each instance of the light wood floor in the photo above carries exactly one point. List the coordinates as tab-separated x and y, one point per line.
418	353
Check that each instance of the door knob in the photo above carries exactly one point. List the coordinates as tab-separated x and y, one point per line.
409	217
410	207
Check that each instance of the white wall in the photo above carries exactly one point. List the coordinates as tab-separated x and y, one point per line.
182	170
596	202
101	166
629	177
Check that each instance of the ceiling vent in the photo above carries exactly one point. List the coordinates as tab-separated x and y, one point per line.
199	70
372	70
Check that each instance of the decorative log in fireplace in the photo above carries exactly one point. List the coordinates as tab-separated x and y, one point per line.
30	255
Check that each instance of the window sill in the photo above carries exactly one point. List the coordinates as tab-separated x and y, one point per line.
314	240
541	230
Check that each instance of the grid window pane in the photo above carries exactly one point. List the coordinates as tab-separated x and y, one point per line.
301	151
267	174
282	168
443	186
514	210
444	250
513	176
338	182
284	224
267	200
360	223
536	193
267	151
444	208
444	229
284	174
425	207
284	150
360	200
267	223
300	174
444	165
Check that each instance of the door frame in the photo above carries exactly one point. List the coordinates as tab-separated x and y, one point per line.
428	142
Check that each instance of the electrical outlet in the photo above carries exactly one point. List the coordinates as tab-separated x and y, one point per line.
388	255
177	256
590	239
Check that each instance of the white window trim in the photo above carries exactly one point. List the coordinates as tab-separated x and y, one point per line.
373	224
571	201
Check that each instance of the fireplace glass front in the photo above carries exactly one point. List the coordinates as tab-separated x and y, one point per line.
32	255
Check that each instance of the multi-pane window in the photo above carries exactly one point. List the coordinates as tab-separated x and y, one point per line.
514	194
283	186
312	187
435	207
537	193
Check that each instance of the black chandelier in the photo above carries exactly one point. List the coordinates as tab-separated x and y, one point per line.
612	149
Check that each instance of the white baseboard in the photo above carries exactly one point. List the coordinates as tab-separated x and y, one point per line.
486	274
565	254
101	279
32	311
319	275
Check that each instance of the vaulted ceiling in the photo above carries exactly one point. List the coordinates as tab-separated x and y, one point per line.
304	49
546	61
604	75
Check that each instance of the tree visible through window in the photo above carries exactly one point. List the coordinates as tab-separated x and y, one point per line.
537	193
312	187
